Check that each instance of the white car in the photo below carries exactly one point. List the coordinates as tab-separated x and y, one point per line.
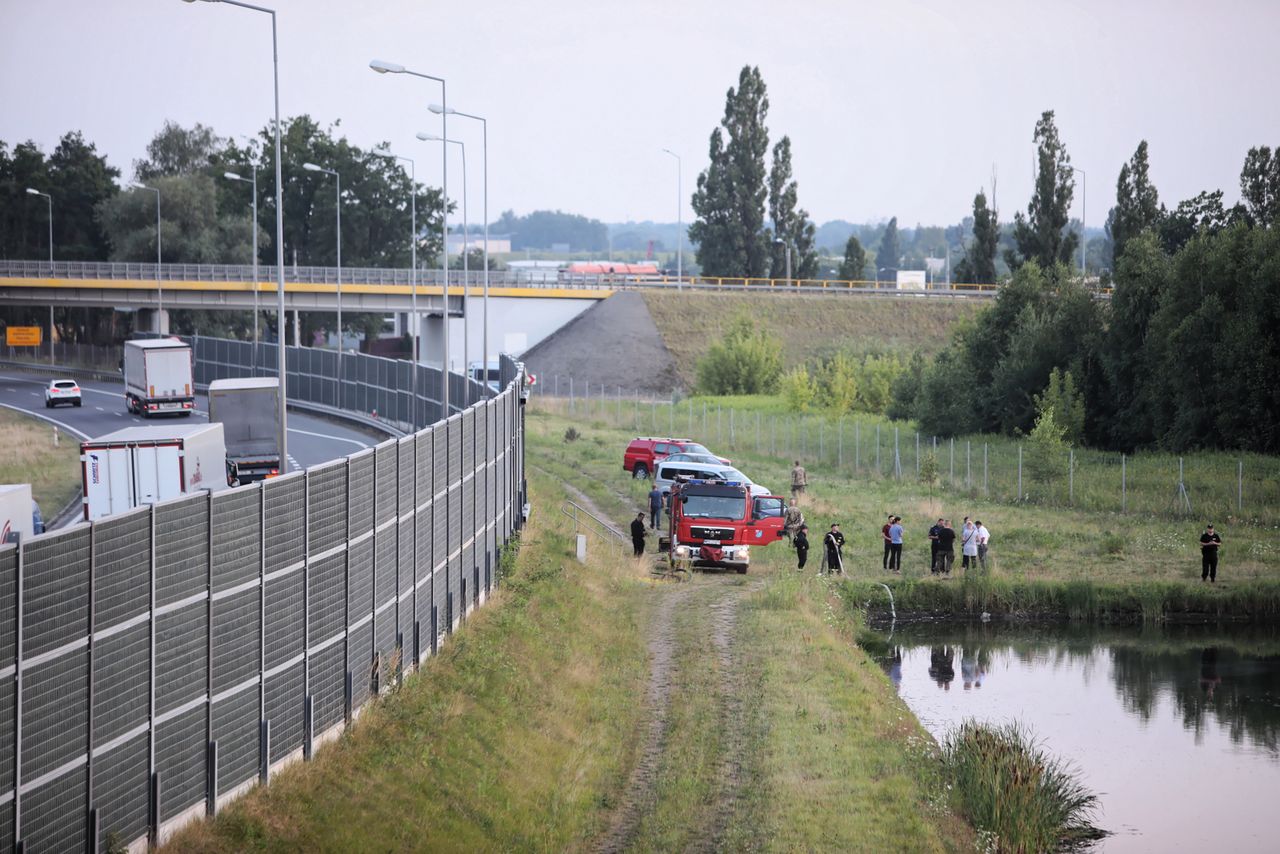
668	471
61	391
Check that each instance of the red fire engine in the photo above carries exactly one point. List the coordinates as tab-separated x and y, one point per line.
716	523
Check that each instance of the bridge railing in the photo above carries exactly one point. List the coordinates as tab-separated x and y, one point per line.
156	663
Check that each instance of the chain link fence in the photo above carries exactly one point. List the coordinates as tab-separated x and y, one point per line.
157	663
1209	485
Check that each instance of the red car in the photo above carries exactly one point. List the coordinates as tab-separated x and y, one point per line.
644	453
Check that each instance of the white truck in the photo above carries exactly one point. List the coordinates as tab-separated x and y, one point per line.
248	409
158	377
16	517
143	465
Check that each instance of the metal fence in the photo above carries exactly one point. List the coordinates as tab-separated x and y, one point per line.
155	664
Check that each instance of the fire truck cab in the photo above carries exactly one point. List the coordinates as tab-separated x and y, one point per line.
715	524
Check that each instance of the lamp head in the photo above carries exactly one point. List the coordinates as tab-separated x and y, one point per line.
437	109
34	192
311	167
384	67
233	176
430	137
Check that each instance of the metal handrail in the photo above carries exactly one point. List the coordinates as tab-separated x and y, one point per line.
584	518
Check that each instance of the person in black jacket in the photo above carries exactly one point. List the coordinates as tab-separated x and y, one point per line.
637	534
946	548
801	544
834	541
1209	542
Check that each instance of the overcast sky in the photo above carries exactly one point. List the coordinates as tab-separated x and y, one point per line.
893	108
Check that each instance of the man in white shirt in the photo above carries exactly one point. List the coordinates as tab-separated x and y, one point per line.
984	536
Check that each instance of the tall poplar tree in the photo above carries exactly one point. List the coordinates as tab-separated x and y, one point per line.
979	263
1042	235
790	224
890	251
1137	203
730	197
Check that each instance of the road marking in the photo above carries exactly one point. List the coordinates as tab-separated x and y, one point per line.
55	422
294	463
355	442
100	409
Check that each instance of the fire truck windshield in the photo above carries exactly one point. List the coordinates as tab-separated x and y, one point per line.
713	507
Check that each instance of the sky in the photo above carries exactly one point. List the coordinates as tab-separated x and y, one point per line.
893	108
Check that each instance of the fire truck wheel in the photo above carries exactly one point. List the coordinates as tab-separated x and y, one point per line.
742	570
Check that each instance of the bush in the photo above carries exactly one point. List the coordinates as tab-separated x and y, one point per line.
748	360
572	435
798	389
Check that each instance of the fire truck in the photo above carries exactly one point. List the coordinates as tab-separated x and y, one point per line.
716	524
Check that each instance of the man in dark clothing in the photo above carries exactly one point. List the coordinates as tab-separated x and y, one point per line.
884	532
801	543
637	534
946	548
834	541
933	546
1209	542
655	507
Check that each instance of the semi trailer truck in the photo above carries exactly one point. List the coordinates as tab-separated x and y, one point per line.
158	377
144	465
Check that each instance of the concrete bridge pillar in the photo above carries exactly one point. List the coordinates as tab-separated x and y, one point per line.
152	320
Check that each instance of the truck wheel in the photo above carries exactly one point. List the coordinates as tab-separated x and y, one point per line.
742	570
641	472
78	403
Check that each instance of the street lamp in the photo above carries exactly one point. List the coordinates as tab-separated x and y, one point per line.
466	270
679	220
1084	208
275	67
786	246
413	266
383	67
484	156
159	290
311	167
34	192
234	177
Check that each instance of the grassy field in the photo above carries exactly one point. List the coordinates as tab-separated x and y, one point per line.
809	327
28	455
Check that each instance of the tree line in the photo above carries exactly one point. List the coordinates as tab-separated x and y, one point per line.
1183	355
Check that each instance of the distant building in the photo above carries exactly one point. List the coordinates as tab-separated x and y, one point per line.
498	244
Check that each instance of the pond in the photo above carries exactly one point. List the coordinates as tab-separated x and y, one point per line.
1177	729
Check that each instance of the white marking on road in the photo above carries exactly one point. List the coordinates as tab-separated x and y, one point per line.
355	442
65	426
100	409
294	463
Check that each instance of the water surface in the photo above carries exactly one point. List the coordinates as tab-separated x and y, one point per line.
1176	729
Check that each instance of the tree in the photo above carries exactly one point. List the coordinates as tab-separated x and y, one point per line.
840	383
1042	234
930	473
889	253
1203	212
747	360
1260	185
731	192
544	229
176	150
979	263
798	389
1137	203
1066	403
790	224
1046	450
854	266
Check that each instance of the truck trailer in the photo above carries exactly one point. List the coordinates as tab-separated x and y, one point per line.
16	518
248	409
158	377
143	465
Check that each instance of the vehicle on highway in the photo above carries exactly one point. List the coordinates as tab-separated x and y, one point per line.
248	408
144	465
61	391
158	377
486	373
19	515
643	453
716	524
668	473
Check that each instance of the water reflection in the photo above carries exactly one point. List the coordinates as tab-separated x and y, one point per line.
1144	712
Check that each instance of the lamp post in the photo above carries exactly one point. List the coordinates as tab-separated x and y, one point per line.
337	179
484	157
234	177
679	220
275	66
413	266
159	290
466	271
383	67
787	246
34	192
1084	209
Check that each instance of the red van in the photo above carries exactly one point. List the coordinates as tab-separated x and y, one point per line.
645	452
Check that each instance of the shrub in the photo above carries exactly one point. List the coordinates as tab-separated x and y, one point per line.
747	360
572	435
798	389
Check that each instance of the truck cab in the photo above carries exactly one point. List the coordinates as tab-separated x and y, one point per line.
716	523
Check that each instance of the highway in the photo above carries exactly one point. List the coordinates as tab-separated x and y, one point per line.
312	440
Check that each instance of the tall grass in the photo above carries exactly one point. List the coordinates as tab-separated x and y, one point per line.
1009	787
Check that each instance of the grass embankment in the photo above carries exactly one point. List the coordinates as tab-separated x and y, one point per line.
28	455
809	326
1135	563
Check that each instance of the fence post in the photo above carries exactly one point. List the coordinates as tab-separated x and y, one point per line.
1019	471
840	444
1240	486
719	424
877	450
571	404
1124	485
690	416
822	440
857	445
897	457
953	460
1071	475
917	454
773	436
985	490
671	415
733	433
968	463
757	431
19	592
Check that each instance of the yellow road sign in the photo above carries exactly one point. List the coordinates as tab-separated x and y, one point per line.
23	336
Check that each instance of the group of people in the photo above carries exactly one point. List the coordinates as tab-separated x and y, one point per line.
974	540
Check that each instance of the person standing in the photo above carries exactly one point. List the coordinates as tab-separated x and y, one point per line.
946	548
968	545
984	537
888	542
793	519
834	541
637	534
801	544
1209	542
933	545
655	507
799	481
895	544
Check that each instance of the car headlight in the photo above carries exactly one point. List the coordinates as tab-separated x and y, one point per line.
682	551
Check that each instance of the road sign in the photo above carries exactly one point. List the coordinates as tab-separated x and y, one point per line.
23	336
